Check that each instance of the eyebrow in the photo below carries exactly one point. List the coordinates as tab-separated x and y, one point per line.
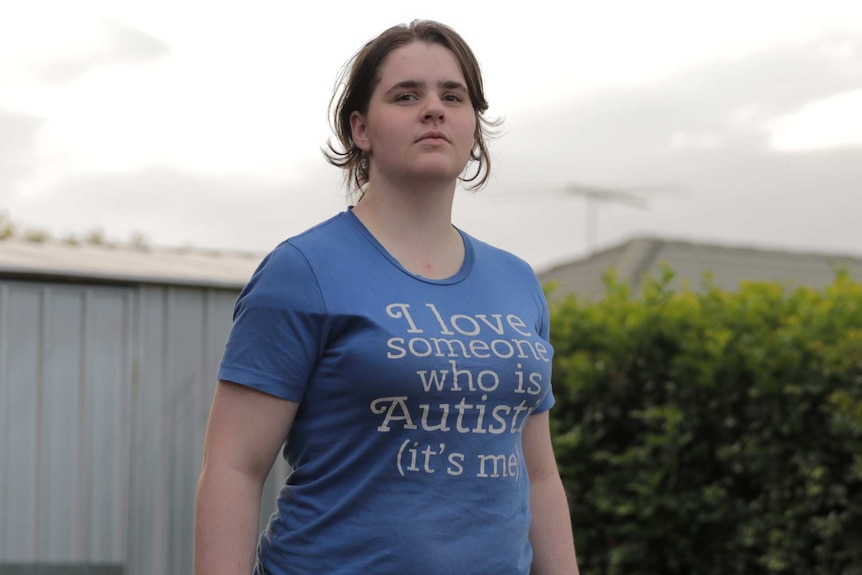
416	84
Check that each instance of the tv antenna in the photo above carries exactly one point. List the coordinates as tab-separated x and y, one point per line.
633	196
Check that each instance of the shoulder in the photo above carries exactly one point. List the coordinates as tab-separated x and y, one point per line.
287	274
499	261
295	256
330	235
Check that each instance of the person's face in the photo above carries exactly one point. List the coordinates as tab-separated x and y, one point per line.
420	123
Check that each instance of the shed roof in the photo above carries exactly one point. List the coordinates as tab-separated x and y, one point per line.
727	266
111	264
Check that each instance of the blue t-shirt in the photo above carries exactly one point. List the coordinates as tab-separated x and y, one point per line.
406	449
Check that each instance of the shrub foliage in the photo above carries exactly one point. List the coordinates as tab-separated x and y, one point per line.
712	432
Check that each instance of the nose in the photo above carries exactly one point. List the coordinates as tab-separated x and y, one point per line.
433	110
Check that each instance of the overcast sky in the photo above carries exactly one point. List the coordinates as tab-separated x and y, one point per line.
201	123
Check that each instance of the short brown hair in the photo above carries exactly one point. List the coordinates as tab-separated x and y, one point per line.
361	75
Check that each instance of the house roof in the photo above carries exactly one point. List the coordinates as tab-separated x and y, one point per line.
25	259
727	266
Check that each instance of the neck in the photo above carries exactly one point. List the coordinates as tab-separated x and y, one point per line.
414	224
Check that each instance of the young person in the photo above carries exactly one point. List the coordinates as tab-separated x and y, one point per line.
406	363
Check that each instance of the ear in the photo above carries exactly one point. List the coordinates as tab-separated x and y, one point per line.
359	131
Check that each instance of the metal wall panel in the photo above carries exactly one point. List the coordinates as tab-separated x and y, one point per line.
62	437
63	396
20	316
104	397
185	373
182	334
109	379
60	569
149	502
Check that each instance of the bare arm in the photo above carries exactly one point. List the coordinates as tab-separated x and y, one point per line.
551	530
246	428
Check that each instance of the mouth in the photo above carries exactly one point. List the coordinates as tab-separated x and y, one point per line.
433	136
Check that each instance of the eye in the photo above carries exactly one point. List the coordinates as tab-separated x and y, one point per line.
452	98
406	97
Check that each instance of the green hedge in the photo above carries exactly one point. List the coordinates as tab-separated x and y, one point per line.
712	432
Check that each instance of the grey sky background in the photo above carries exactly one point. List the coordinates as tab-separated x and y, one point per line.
199	125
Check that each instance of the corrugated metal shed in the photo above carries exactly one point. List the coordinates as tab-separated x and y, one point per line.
108	361
727	266
126	265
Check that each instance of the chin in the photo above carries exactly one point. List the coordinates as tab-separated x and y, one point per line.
442	177
439	172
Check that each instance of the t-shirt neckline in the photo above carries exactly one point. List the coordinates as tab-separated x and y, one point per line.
462	273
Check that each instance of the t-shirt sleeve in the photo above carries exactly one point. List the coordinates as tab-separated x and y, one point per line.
279	327
544	330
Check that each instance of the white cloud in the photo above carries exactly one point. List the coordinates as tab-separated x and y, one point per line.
697	141
829	123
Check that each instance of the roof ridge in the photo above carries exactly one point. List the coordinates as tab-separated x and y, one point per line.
130	248
639	257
